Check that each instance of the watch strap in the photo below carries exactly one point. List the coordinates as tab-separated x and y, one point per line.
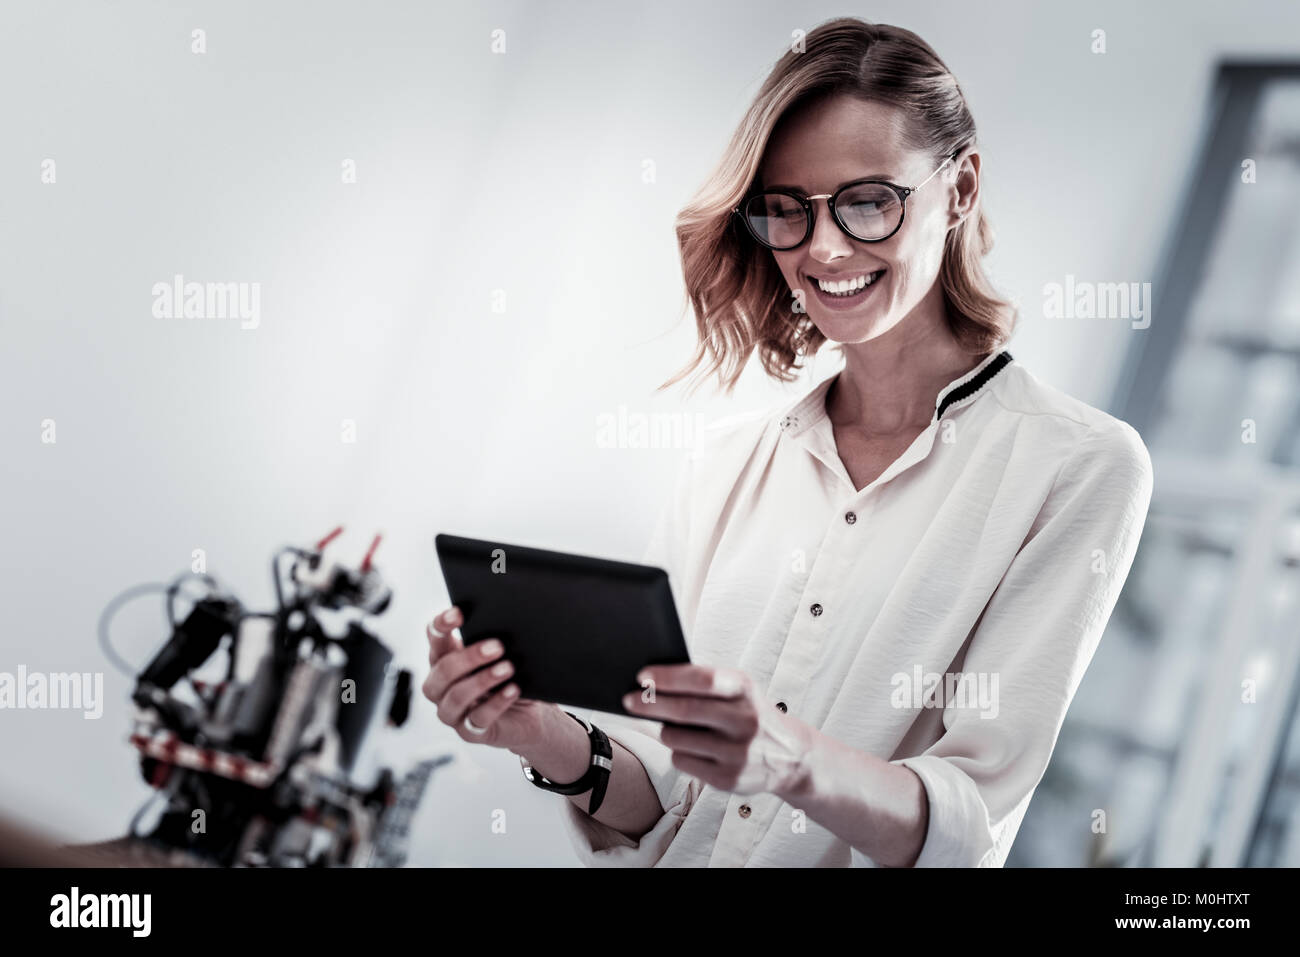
596	778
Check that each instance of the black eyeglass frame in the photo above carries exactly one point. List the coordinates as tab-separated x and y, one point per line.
831	198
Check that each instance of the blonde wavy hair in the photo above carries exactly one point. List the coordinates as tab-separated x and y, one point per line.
738	294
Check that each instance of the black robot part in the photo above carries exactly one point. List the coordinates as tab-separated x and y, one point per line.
367	669
192	642
400	709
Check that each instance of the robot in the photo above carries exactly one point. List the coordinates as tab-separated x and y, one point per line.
255	770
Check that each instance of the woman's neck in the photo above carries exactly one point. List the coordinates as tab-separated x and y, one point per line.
889	384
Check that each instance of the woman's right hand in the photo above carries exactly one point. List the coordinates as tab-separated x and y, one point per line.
475	683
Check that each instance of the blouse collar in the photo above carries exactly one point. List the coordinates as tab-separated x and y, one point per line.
808	410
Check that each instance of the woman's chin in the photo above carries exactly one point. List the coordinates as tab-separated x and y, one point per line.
848	329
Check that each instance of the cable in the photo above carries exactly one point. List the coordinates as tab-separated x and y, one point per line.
171	786
110	610
169	591
135	819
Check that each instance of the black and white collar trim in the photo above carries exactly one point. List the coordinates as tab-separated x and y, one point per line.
971	383
812	407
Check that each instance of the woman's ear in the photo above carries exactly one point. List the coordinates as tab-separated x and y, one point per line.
964	192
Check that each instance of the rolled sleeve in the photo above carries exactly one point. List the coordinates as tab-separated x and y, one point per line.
960	832
598	844
1036	636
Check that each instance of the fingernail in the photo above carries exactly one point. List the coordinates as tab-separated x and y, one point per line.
643	677
490	647
725	684
511	691
629	700
503	668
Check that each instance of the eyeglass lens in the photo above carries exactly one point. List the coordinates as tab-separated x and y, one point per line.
869	211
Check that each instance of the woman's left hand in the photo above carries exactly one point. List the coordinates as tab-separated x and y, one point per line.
740	742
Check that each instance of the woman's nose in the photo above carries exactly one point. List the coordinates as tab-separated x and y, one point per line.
828	241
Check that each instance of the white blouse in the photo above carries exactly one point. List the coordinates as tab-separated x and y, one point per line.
941	618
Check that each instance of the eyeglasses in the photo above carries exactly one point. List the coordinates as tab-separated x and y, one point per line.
867	210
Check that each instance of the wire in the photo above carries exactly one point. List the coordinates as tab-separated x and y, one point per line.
135	819
170	591
110	610
168	790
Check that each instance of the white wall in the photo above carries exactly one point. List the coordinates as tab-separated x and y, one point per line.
376	297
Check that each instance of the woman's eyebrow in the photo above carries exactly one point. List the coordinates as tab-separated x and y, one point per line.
884	177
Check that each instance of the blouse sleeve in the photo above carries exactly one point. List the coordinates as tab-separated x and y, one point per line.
1036	636
596	843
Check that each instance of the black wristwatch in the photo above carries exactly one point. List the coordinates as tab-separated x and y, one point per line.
597	777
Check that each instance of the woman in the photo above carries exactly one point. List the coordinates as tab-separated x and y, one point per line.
891	587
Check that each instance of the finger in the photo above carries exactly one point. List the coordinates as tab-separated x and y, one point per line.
691	679
436	654
442	640
455	665
703	744
485	714
468	691
731	717
710	772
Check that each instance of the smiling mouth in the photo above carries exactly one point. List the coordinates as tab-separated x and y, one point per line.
847	288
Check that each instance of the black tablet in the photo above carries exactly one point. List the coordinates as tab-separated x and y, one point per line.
576	628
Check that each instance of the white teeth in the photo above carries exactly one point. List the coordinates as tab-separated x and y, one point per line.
846	286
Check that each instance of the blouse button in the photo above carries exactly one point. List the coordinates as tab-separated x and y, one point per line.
816	610
780	706
744	810
850	517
